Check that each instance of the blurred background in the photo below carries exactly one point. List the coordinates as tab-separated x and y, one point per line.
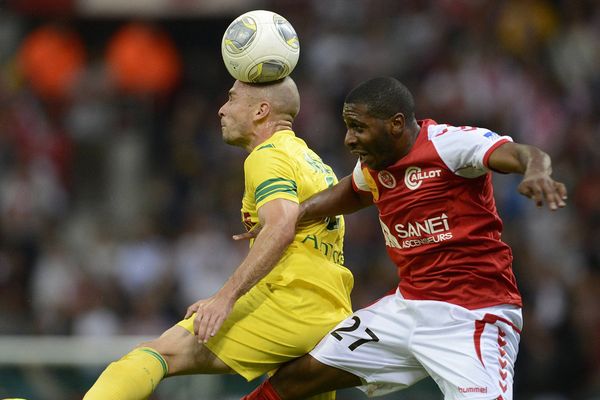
118	197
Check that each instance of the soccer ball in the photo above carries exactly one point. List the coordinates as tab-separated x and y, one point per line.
260	46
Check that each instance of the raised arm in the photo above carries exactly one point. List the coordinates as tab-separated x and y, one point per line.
278	220
536	167
339	199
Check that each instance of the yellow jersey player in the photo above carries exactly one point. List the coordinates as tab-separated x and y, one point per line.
291	288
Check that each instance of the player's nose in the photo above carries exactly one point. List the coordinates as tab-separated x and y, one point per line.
350	138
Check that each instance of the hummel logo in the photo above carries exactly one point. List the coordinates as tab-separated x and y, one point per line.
502	363
503	387
475	389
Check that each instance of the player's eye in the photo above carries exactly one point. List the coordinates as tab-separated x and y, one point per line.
355	127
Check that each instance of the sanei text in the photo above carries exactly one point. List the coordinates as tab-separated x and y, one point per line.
417	233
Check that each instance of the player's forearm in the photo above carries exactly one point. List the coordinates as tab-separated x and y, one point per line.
534	161
520	158
267	250
337	200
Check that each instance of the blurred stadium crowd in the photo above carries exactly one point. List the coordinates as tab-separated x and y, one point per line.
118	197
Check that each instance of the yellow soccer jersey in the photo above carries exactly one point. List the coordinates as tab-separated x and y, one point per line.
284	167
308	292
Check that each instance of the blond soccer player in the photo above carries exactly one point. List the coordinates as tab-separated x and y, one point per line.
291	288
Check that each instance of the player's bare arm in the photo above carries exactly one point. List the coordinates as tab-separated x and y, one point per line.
278	220
340	199
536	167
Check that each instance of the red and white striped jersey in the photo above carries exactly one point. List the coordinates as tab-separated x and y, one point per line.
439	218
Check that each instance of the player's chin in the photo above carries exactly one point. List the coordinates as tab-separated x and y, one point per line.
226	137
369	161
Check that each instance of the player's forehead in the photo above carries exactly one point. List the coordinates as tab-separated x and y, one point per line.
241	89
355	111
236	88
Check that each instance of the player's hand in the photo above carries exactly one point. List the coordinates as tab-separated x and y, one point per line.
251	234
210	314
541	188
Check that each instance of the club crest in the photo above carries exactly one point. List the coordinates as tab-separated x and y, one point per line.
386	179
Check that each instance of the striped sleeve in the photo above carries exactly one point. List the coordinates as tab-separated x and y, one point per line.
270	175
275	186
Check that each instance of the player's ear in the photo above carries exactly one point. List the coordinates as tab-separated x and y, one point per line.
262	111
397	122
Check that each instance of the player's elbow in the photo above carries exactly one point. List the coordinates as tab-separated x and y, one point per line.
282	232
287	234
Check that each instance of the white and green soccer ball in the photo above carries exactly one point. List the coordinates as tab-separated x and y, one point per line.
260	46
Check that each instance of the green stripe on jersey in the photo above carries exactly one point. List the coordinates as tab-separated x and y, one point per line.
269	182
275	180
266	146
275	189
270	189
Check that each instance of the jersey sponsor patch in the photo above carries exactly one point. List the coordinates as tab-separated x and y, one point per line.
414	176
417	233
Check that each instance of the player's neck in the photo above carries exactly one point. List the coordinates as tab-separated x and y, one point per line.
414	130
280	125
408	139
264	133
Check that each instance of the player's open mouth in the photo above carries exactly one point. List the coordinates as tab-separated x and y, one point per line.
361	154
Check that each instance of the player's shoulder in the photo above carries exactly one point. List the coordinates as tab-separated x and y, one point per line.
269	156
267	150
442	132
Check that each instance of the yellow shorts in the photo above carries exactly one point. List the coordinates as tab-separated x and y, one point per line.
273	324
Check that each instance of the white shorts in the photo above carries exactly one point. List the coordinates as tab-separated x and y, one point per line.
395	343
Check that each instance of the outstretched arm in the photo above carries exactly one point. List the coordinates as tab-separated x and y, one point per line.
339	199
536	167
278	221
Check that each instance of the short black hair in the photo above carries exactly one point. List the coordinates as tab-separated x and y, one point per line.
384	97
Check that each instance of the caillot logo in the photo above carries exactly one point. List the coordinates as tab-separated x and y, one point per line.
414	176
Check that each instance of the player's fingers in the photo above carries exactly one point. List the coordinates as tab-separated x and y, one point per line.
199	321
550	195
251	234
561	189
190	310
243	236
525	189
196	323
532	191
217	326
205	327
213	327
537	194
